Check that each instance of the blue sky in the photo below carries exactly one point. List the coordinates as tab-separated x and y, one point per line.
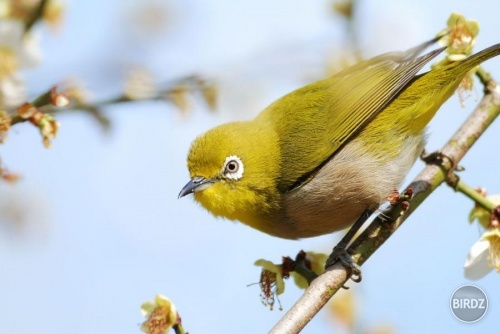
105	230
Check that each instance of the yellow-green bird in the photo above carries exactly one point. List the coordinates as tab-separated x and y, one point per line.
322	156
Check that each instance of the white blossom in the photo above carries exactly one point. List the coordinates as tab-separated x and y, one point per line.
20	50
17	51
12	91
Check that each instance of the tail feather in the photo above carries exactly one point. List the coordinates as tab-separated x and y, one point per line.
476	59
415	51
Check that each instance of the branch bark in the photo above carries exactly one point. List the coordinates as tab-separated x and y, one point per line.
386	223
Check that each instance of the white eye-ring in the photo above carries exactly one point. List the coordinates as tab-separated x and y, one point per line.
233	168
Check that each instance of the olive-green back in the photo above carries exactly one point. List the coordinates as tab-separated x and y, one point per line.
314	122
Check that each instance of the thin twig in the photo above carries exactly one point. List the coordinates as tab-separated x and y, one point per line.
37	15
474	195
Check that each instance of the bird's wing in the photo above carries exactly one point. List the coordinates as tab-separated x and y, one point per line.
315	121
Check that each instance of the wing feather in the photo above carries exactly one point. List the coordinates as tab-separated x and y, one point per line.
315	121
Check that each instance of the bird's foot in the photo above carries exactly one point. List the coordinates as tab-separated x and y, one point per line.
339	254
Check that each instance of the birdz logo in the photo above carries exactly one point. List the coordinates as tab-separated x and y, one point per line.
469	303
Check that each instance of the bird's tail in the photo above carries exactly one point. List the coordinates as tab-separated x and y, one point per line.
441	83
476	59
415	51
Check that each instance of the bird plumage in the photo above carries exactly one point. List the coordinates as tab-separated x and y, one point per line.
313	161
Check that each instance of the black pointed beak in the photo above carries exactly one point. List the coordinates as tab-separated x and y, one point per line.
197	183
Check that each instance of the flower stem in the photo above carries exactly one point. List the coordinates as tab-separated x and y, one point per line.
301	269
474	195
37	15
179	329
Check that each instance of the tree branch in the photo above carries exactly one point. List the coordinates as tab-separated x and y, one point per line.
174	91
386	223
37	15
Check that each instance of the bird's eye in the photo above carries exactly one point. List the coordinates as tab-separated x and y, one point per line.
233	167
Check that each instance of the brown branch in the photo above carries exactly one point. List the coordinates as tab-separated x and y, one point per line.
172	92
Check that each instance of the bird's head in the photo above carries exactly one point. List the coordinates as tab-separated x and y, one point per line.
233	170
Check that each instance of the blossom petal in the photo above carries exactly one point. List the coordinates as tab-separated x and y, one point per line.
25	48
147	308
12	91
275	269
476	266
268	265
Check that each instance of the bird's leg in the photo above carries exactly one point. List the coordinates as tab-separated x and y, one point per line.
339	252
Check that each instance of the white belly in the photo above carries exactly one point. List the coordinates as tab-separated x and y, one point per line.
347	185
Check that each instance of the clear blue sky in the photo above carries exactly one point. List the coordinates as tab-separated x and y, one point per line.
106	231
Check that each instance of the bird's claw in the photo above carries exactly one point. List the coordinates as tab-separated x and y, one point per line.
339	254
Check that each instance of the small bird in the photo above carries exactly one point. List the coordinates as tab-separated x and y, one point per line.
324	155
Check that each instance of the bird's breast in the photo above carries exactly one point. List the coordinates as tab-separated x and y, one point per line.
351	182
